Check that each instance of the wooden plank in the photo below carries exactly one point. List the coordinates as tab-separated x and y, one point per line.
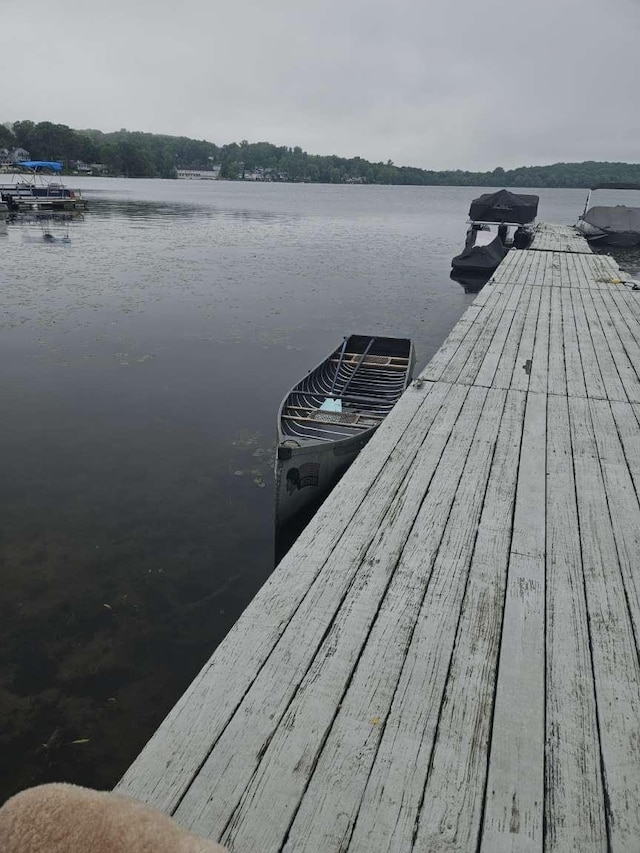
624	347
524	358
614	388
621	498
574	805
513	818
464	333
454	795
481	370
540	358
345	765
627	419
318	652
572	359
534	271
556	374
511	267
575	272
593	382
623	366
164	770
569	269
628	304
475	345
502	373
554	276
613	645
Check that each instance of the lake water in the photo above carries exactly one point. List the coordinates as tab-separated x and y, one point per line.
142	364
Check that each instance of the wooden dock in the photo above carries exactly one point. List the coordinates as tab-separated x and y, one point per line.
447	659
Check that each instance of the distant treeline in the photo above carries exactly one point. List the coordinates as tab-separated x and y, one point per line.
149	155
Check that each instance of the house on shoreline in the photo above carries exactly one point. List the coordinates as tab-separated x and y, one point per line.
211	174
9	159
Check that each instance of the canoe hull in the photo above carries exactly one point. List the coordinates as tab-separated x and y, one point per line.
306	475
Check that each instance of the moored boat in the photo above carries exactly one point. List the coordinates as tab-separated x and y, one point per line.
33	191
329	416
483	251
498	221
504	206
617	225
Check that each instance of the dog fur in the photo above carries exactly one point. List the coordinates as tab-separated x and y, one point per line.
59	818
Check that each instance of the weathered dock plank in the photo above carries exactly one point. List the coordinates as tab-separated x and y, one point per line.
513	817
558	238
447	659
575	807
613	644
453	800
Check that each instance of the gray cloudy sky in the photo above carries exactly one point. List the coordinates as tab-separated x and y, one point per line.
451	84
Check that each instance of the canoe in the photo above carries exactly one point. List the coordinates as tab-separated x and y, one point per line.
329	416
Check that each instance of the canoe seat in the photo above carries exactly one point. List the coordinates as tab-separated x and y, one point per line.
334	417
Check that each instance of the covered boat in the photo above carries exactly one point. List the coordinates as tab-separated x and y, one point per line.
32	191
504	206
329	416
617	225
483	251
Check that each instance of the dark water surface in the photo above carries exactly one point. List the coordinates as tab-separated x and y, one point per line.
142	365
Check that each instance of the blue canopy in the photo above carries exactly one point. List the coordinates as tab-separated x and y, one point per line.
41	164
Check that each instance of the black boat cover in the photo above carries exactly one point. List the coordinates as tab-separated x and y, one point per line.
481	258
618	220
504	206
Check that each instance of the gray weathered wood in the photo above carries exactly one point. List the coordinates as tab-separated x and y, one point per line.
558	238
513	819
340	777
540	358
572	355
556	375
574	805
613	645
603	347
454	794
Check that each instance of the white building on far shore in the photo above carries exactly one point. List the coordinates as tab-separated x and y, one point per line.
211	174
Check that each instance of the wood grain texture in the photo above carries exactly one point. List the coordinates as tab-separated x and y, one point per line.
540	358
433	559
574	806
454	794
604	347
513	819
556	374
613	644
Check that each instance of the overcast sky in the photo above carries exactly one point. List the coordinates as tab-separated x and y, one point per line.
469	84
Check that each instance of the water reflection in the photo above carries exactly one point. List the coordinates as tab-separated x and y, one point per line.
470	282
136	209
50	227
